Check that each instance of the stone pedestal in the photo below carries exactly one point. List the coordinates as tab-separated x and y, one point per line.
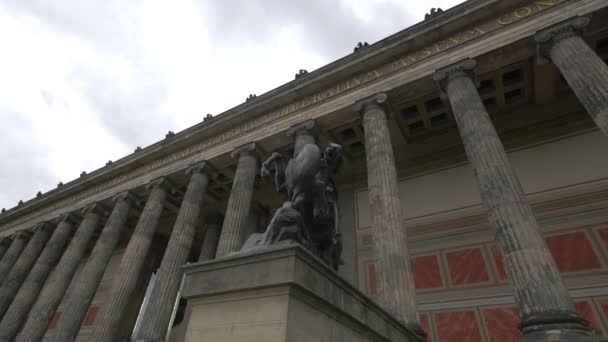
281	294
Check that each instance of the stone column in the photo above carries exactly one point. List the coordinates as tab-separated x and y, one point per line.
4	244
77	303
305	133
548	312
239	203
18	311
12	283
57	284
396	291
13	252
213	227
582	68
132	264
156	318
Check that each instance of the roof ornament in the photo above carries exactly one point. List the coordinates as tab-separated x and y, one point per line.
20	203
251	97
302	72
109	163
360	45
3	210
169	134
138	149
207	117
434	12
60	184
38	194
83	173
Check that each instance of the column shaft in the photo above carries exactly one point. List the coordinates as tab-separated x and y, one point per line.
57	284
212	235
22	267
582	68
537	286
18	311
13	252
396	292
155	321
79	299
239	203
4	245
131	266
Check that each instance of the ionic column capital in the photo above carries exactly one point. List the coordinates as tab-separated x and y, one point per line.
308	126
376	101
250	149
125	196
43	226
5	241
546	38
94	208
200	167
161	182
71	218
463	68
23	235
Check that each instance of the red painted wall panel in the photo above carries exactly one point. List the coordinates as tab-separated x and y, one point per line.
426	272
467	266
573	252
502	323
457	326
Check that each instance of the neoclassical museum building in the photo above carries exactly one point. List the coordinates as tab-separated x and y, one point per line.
473	195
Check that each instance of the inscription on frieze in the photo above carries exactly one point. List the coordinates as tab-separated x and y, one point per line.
462	37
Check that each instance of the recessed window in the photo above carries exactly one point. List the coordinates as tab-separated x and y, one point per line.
514	95
348	133
486	86
439	120
602	45
512	77
221	177
356	147
490	103
416	127
409	112
433	105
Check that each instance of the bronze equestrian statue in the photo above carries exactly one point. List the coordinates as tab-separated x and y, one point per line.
309	215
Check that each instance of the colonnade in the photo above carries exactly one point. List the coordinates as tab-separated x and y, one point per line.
38	265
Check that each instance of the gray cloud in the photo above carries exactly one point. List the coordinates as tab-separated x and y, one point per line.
329	27
106	24
24	169
132	114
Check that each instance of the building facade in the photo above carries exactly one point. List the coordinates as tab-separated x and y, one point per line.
473	196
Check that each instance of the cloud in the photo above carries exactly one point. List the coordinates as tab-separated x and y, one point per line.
331	28
24	164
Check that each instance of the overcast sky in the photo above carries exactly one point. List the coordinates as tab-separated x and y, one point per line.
83	82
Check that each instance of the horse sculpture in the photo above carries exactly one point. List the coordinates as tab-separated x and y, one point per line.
309	215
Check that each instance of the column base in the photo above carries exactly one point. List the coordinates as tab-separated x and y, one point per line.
278	295
555	326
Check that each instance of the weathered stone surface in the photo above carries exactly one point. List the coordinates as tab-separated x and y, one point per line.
18	311
12	254
12	283
281	294
583	69
77	303
239	203
131	265
156	318
537	286
396	291
56	285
